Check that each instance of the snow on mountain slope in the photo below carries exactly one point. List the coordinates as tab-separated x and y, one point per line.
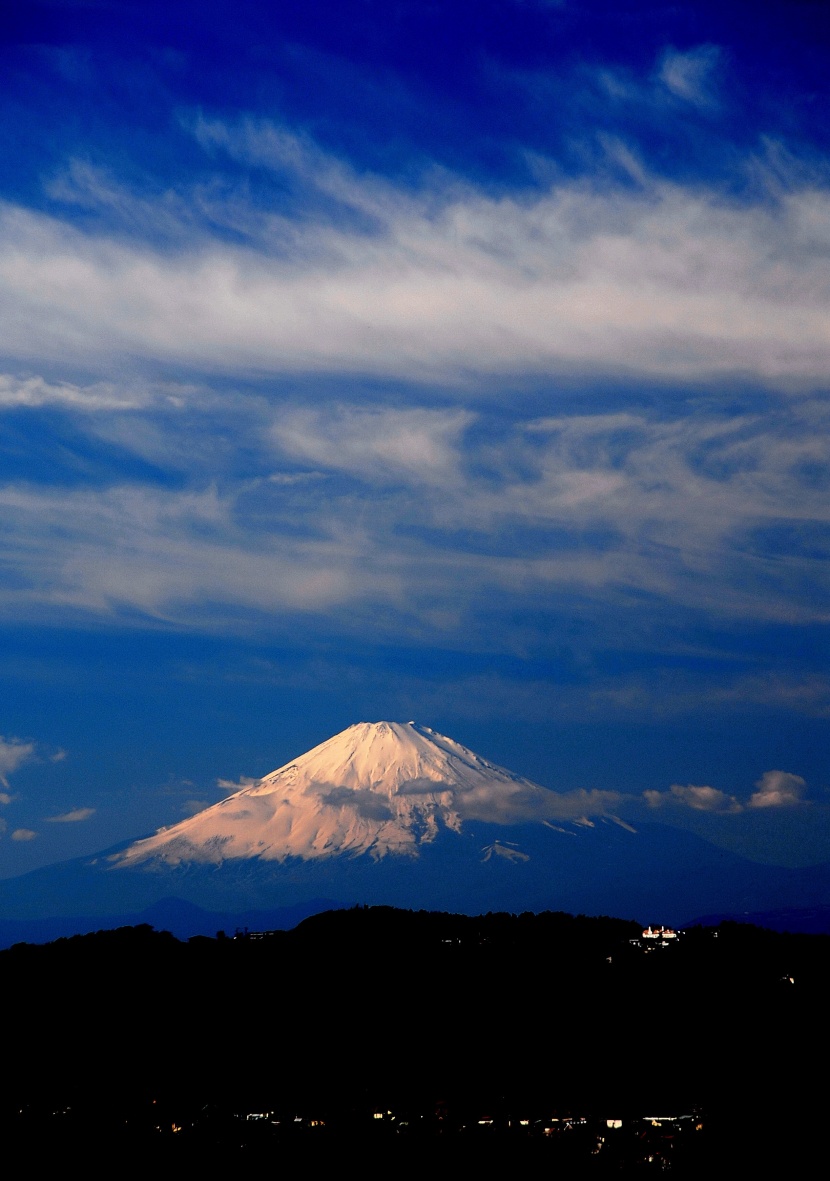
378	788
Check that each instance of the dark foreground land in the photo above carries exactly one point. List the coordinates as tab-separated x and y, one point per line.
544	1044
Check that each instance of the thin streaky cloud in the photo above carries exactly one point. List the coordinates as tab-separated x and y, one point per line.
419	445
447	284
723	514
75	816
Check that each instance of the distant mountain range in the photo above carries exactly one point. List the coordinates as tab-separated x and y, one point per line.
397	814
182	919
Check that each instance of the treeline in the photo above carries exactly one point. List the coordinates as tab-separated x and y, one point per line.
382	1006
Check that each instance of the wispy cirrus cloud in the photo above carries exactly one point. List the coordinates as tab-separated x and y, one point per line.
443	282
381	443
147	550
35	392
725	514
688	74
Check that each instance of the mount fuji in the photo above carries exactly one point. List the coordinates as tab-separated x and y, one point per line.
394	813
383	789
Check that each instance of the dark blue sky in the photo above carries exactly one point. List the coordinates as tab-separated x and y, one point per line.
464	362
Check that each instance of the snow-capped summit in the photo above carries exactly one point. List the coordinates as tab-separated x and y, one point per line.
378	788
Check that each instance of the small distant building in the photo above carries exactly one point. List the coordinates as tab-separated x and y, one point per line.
653	937
659	933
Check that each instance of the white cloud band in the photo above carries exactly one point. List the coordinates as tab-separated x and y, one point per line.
443	283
